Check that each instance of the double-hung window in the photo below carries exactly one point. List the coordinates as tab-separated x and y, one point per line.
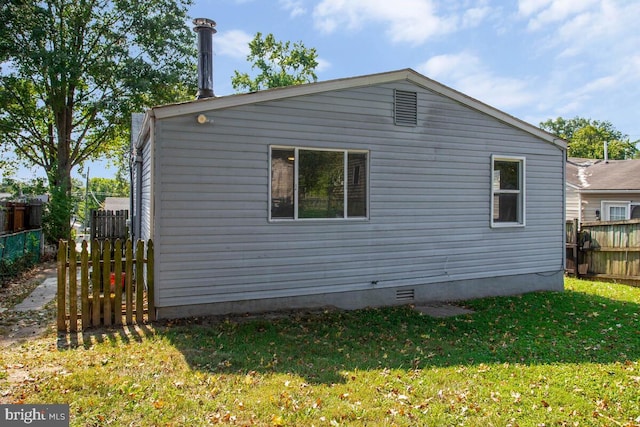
507	191
311	183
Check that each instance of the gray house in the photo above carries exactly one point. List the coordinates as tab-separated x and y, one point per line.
375	190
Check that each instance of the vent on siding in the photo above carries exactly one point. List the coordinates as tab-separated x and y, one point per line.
405	295
405	108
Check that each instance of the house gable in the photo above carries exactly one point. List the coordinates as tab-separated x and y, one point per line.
427	231
409	75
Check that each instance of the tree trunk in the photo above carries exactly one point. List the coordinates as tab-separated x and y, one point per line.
60	179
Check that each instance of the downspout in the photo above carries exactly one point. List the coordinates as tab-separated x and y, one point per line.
564	217
138	165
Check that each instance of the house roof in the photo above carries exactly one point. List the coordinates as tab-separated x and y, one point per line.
594	175
209	104
116	204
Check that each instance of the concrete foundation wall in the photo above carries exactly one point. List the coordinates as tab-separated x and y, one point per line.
434	292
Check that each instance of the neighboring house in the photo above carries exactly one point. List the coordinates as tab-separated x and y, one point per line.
599	190
374	190
116	204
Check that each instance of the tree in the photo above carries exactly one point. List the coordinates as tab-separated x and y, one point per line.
587	137
74	70
93	197
280	64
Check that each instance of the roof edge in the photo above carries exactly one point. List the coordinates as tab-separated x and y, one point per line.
408	74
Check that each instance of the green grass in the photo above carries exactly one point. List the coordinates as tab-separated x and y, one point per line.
552	359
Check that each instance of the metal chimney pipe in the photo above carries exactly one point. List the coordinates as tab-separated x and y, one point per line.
205	29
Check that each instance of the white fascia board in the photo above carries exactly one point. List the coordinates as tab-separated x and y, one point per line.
145	129
609	191
573	186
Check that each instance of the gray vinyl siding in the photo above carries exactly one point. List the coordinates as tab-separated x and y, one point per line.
146	232
429	199
142	202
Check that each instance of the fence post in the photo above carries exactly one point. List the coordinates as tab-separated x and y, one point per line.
129	281
106	282
139	281
84	285
151	302
73	288
62	285
95	282
117	277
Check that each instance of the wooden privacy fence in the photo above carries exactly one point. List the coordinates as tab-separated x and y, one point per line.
109	224
610	250
111	285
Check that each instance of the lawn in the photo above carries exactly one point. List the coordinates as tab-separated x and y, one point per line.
543	359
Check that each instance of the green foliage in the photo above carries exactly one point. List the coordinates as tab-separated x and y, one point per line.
74	71
33	187
586	138
99	190
55	218
280	64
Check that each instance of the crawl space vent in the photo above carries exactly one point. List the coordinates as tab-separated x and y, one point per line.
405	108
405	295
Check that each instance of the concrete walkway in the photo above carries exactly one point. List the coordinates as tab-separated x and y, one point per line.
40	296
443	310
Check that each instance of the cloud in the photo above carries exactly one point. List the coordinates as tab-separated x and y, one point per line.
234	43
323	65
544	12
584	26
294	7
466	73
412	21
594	45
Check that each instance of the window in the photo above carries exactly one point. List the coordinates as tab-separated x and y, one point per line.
619	210
314	184
507	191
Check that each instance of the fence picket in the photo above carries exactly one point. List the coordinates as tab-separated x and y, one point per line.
73	288
95	283
151	304
84	285
139	280
106	282
100	304
129	281
62	285
117	278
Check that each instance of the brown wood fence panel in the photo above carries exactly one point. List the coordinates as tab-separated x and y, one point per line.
109	225
571	247
611	250
109	277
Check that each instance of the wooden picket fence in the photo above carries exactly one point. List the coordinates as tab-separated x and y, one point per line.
111	281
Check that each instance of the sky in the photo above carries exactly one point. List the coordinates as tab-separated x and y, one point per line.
534	59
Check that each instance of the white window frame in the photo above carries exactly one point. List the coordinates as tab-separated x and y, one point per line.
346	179
605	206
522	208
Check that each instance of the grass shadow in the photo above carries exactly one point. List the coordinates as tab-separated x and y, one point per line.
116	335
538	328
